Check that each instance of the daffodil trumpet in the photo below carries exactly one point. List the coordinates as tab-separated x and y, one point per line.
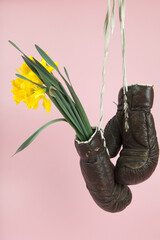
35	81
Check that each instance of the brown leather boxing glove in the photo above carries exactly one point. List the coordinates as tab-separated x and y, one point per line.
139	156
98	173
112	134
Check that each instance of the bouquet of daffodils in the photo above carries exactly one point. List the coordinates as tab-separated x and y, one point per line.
35	81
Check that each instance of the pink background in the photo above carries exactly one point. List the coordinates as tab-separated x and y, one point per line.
42	192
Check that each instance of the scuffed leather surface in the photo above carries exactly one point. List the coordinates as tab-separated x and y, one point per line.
139	156
98	173
113	136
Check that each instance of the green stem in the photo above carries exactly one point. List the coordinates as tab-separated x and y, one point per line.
54	100
74	110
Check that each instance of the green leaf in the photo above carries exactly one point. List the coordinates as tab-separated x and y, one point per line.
15	46
75	113
46	57
69	109
67	75
79	135
35	134
46	75
81	111
20	76
31	65
78	105
50	62
42	73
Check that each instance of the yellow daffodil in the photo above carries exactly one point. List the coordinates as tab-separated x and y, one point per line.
28	92
29	88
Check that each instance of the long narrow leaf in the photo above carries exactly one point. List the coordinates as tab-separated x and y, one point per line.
81	111
46	57
79	107
75	113
35	134
42	73
54	100
27	60
85	122
49	61
15	46
47	75
63	105
67	75
31	65
70	111
20	76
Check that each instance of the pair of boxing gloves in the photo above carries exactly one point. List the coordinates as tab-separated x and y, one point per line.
138	157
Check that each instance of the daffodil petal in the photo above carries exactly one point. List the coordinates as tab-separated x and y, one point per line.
28	92
47	104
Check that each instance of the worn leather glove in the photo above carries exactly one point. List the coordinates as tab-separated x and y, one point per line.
139	155
98	173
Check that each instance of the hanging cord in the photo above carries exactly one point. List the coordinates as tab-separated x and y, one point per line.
109	25
121	4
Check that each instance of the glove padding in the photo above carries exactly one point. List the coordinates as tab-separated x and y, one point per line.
98	173
139	156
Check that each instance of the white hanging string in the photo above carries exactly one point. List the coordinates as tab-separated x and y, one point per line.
109	25
121	4
113	16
